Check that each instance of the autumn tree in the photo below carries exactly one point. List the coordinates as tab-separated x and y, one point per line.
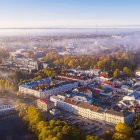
11	57
126	71
122	132
116	73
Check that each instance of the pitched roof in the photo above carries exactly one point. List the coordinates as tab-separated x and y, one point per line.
82	104
116	113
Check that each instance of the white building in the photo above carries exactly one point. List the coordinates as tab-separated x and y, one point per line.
138	73
55	112
92	112
48	91
45	104
93	71
133	97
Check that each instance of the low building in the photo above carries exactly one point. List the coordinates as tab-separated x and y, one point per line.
27	63
133	97
138	73
91	111
45	104
85	90
84	81
55	112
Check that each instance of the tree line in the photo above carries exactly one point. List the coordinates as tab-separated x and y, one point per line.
53	129
104	61
6	85
61	130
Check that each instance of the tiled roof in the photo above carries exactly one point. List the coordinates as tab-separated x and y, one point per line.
70	101
44	100
82	104
116	113
88	106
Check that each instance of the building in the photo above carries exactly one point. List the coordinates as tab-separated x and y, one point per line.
45	104
83	80
91	111
138	73
133	97
42	88
29	64
85	90
55	112
116	117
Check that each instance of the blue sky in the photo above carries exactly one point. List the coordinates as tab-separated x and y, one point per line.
69	13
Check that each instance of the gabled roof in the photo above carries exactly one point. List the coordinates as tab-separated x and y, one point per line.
135	95
44	100
82	104
116	113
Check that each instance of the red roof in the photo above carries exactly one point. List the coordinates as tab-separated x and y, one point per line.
44	100
104	74
96	90
82	104
107	82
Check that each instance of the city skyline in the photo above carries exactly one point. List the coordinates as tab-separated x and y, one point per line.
70	13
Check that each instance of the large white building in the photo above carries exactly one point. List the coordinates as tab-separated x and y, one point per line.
49	91
91	112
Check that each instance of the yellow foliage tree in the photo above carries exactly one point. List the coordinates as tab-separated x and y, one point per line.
123	128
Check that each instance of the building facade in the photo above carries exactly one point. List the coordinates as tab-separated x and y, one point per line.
45	104
91	112
48	92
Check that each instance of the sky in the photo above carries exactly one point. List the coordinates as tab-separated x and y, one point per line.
68	13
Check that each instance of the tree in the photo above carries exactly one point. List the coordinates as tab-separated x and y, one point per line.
136	122
43	134
116	73
123	129
11	57
137	134
126	71
41	125
50	130
119	136
33	115
3	61
89	137
108	135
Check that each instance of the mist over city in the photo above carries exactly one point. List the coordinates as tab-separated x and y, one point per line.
72	41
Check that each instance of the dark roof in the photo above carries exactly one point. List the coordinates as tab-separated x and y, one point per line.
122	114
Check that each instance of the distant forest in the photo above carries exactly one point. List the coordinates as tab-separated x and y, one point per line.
106	61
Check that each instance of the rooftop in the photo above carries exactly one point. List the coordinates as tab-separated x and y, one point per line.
136	95
44	100
121	114
44	84
82	104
